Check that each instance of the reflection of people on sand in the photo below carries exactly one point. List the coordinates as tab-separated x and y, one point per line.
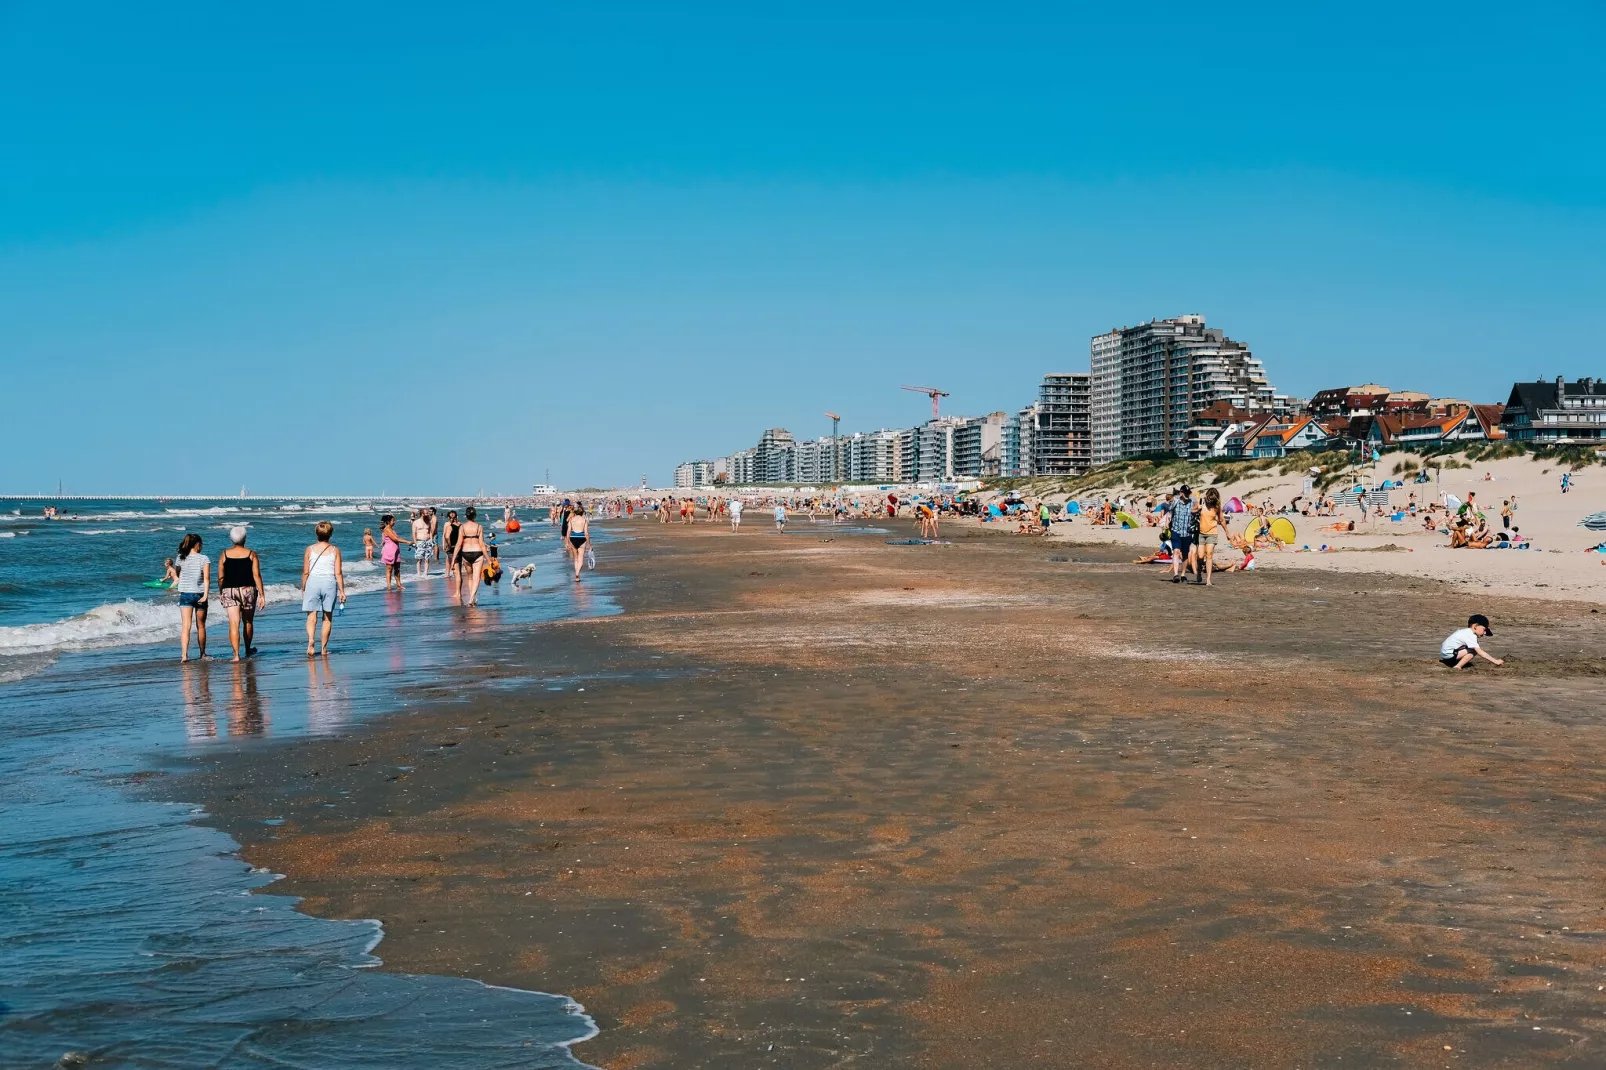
199	723
328	705
246	717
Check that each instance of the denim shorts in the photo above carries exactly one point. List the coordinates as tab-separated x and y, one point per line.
320	594
190	599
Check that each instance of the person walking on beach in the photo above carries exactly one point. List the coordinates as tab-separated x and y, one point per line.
780	516
323	580
1182	529
421	543
1211	524
194	579
579	537
390	553
736	516
240	591
471	547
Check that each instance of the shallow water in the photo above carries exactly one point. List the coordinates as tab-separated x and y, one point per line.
129	929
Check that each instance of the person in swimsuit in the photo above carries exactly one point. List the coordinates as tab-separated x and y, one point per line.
579	535
367	544
169	572
390	554
421	543
240	590
450	532
194	579
323	580
470	548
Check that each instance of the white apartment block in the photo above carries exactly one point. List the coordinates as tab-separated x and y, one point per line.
1150	380
1106	364
872	457
978	449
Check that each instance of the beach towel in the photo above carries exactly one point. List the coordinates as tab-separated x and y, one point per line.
1594	522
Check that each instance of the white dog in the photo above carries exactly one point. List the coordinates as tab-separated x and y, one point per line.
523	573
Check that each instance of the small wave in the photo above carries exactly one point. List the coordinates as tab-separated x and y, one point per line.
11	534
113	624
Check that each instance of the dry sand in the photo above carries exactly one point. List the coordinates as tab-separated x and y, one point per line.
993	804
1556	568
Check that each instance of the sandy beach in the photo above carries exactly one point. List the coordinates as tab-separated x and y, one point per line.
1556	568
814	800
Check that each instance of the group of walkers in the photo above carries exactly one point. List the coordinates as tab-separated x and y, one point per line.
241	593
467	546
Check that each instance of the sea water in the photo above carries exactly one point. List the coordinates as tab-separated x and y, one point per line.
131	931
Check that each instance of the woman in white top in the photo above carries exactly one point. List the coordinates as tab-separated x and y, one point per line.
194	578
323	584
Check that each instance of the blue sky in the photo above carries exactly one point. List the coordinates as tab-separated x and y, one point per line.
358	248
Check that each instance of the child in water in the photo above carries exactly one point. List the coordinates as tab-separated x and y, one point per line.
367	544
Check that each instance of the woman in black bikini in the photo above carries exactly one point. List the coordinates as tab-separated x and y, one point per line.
449	536
579	534
469	542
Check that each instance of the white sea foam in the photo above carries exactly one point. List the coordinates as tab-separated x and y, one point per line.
113	624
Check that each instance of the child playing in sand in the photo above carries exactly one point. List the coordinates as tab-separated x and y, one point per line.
1458	650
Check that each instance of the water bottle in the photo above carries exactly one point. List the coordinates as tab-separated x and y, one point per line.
340	608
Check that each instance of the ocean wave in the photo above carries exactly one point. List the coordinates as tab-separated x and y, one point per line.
114	624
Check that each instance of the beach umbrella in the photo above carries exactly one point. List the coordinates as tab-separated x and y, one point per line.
1594	522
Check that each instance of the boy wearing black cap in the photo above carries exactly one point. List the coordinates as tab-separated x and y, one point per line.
1458	650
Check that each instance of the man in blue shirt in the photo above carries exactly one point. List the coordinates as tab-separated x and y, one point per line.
1183	526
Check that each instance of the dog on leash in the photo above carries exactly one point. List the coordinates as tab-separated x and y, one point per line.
524	573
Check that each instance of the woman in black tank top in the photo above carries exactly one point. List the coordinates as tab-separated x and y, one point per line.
239	588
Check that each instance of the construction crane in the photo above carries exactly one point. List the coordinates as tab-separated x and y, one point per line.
933	393
836	450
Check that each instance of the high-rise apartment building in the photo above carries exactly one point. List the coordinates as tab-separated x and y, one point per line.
872	457
979	446
1149	380
1106	397
775	457
1063	442
1025	436
816	461
936	443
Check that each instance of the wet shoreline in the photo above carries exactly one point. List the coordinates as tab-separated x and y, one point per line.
814	798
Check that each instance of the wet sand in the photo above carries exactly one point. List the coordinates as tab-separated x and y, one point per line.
816	801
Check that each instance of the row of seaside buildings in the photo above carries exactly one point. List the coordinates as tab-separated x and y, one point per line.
1173	387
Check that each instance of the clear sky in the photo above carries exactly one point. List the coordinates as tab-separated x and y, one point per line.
332	248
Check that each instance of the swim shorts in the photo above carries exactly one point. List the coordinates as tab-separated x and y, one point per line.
1181	546
1454	657
420	551
319	595
238	597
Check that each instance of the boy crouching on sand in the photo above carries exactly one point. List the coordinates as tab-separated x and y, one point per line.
1458	650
